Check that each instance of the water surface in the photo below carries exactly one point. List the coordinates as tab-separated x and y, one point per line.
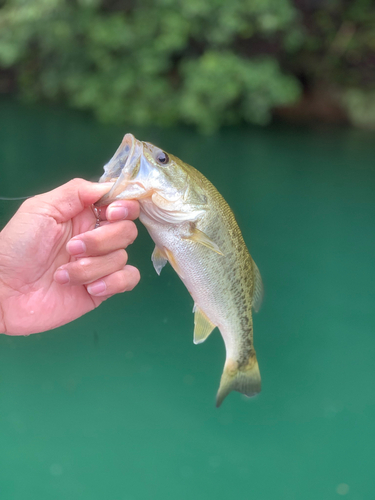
121	405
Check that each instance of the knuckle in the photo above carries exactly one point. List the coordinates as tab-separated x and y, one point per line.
136	274
124	280
77	181
131	231
136	208
124	283
32	203
83	267
91	239
133	277
121	257
28	203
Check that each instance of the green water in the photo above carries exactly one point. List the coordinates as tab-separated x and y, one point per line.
121	405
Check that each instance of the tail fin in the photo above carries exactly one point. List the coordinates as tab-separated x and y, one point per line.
245	379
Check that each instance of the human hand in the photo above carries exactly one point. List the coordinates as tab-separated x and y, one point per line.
54	267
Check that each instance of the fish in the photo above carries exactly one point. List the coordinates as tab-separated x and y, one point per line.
195	230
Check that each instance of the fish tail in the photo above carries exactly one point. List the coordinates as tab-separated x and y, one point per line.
245	378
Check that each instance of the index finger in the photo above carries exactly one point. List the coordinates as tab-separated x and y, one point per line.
66	201
119	210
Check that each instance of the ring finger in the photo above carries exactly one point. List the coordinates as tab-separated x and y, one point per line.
88	269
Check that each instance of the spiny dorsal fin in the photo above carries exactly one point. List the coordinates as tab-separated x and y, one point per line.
258	288
158	259
202	326
200	237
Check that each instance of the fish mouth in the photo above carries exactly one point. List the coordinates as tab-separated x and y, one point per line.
122	168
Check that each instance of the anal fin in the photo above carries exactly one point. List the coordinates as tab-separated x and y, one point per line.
202	326
158	259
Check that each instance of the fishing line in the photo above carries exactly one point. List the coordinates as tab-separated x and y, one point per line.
5	198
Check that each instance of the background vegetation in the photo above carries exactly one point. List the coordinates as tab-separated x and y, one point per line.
205	63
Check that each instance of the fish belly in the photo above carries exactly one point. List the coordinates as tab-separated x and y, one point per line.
218	284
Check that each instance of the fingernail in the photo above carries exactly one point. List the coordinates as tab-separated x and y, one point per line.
76	247
97	288
117	213
62	276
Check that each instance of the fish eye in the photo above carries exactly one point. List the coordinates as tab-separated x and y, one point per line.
162	158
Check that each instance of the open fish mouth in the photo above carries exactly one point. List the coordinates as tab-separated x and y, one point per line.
122	169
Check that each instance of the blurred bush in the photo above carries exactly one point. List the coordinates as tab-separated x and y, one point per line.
205	63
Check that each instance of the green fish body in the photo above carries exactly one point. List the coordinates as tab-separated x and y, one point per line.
195	230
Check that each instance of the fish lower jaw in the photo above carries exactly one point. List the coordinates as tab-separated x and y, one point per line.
132	190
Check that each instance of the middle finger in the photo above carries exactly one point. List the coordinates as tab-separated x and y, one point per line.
103	240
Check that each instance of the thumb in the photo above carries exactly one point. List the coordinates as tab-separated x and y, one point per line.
67	200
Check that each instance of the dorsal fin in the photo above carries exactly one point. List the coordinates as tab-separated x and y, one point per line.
258	288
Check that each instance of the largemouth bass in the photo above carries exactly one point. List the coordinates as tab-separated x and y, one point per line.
194	229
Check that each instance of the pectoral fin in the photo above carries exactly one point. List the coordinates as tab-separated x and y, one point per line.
158	259
202	326
200	237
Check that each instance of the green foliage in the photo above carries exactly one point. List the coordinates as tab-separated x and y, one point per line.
361	107
220	87
206	63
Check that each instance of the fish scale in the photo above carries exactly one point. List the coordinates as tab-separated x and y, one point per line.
195	230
